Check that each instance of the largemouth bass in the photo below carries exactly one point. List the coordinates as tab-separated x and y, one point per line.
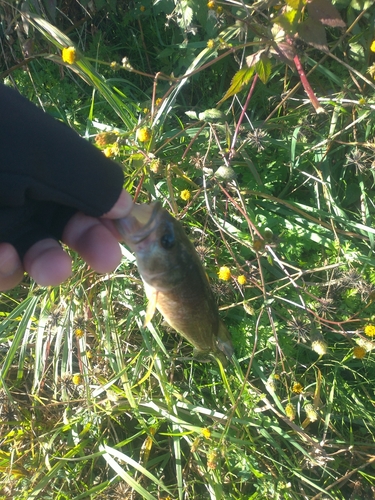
174	278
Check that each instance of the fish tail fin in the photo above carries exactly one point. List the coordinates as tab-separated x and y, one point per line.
224	342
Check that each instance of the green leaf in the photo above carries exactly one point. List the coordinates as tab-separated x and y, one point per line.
263	68
288	20
211	115
313	33
240	79
361	4
192	114
296	4
324	12
184	14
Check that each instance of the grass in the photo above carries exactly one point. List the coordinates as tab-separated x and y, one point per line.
94	405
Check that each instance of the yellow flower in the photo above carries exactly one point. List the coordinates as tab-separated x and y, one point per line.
297	388
76	379
311	413
69	55
242	279
369	329
210	43
372	46
359	352
89	354
185	195
224	273
290	411
211	5
145	111
142	8
206	433
79	333
143	134
158	101
219	9
111	151
114	65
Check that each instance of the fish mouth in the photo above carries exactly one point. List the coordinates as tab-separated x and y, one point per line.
139	224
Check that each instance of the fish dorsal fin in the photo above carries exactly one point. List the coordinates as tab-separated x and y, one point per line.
151	307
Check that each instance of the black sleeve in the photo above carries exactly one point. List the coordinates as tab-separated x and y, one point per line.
47	173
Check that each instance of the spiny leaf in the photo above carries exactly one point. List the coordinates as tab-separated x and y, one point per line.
240	79
263	68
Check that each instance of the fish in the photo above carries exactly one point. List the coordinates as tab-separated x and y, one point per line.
174	279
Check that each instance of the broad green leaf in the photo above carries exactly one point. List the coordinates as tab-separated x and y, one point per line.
288	20
212	115
192	114
184	14
324	12
296	4
361	4
313	33
263	68
240	79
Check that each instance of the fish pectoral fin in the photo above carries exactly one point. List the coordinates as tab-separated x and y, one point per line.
224	342
151	308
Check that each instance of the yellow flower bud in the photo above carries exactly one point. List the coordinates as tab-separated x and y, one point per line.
311	413
359	352
143	134
319	346
290	411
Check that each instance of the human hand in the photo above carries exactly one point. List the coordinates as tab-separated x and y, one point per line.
95	240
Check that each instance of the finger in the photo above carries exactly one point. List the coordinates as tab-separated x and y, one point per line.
94	242
121	208
11	270
47	263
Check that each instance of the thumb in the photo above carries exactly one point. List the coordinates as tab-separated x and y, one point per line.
121	208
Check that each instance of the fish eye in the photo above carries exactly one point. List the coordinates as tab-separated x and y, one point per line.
167	241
